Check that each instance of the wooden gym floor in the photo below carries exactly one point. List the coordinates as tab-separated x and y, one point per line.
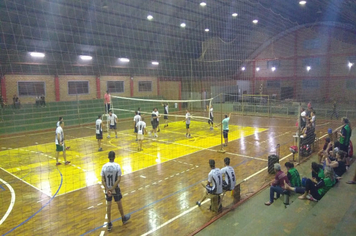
160	184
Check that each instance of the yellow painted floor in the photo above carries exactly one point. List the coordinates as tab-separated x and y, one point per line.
35	165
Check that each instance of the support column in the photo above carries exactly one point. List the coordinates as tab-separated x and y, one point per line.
56	88
98	91
131	87
3	89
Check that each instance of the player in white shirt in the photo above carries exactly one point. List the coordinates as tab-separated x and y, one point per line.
155	121
99	131
303	122
112	118
187	123
59	120
229	174
141	130
136	119
214	185
165	107
110	179
59	140
211	118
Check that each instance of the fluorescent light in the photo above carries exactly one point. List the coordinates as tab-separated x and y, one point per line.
350	64
273	68
203	4
149	17
183	25
156	63
257	69
206	30
37	54
85	57
234	14
302	3
243	68
255	21
124	59
308	68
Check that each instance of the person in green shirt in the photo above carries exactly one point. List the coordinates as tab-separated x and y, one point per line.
293	175
345	135
225	126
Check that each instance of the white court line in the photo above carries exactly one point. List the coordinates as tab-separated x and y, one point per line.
102	233
12	202
49	195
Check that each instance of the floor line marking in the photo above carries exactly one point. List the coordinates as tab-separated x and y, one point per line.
102	233
12	202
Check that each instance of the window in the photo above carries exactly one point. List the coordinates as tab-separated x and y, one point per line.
351	84
274	63
310	84
31	88
115	86
312	43
273	84
78	87
144	86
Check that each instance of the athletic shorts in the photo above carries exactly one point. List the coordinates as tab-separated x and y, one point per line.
99	136
211	120
166	117
107	108
59	148
225	133
113	126
187	126
140	136
226	186
135	130
154	124
117	196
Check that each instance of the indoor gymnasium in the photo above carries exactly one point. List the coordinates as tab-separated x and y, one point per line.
177	117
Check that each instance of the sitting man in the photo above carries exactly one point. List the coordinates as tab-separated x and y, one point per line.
293	175
339	164
230	180
277	185
214	184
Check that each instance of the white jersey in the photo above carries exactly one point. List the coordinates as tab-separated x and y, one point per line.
59	131
211	113
111	171
137	118
112	119
157	114
141	125
98	126
166	109
230	178
215	178
58	123
187	118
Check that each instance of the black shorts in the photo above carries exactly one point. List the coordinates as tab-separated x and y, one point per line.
135	131
113	126
225	133
211	120
99	136
344	148
166	117
117	196
154	124
187	126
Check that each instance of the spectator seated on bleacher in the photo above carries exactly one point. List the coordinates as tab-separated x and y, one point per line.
339	164
277	185
293	175
38	101
328	145
317	172
315	191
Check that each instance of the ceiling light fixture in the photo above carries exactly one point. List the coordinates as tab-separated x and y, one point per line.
255	21
156	63
183	25
85	57
37	54
273	69
234	14
203	4
149	17
350	64
302	3
308	68
206	30
257	69
243	68
124	59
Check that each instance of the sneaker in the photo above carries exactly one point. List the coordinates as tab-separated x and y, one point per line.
109	226
136	140
189	136
100	149
67	148
186	135
310	197
156	136
58	163
125	219
67	162
198	203
115	136
108	136
159	130
211	128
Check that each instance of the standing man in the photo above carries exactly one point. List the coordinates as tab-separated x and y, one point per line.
229	173
214	184
59	120
187	123
136	119
211	118
155	121
112	118
99	131
334	111
165	107
59	140
141	130
225	124
110	179
107	101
